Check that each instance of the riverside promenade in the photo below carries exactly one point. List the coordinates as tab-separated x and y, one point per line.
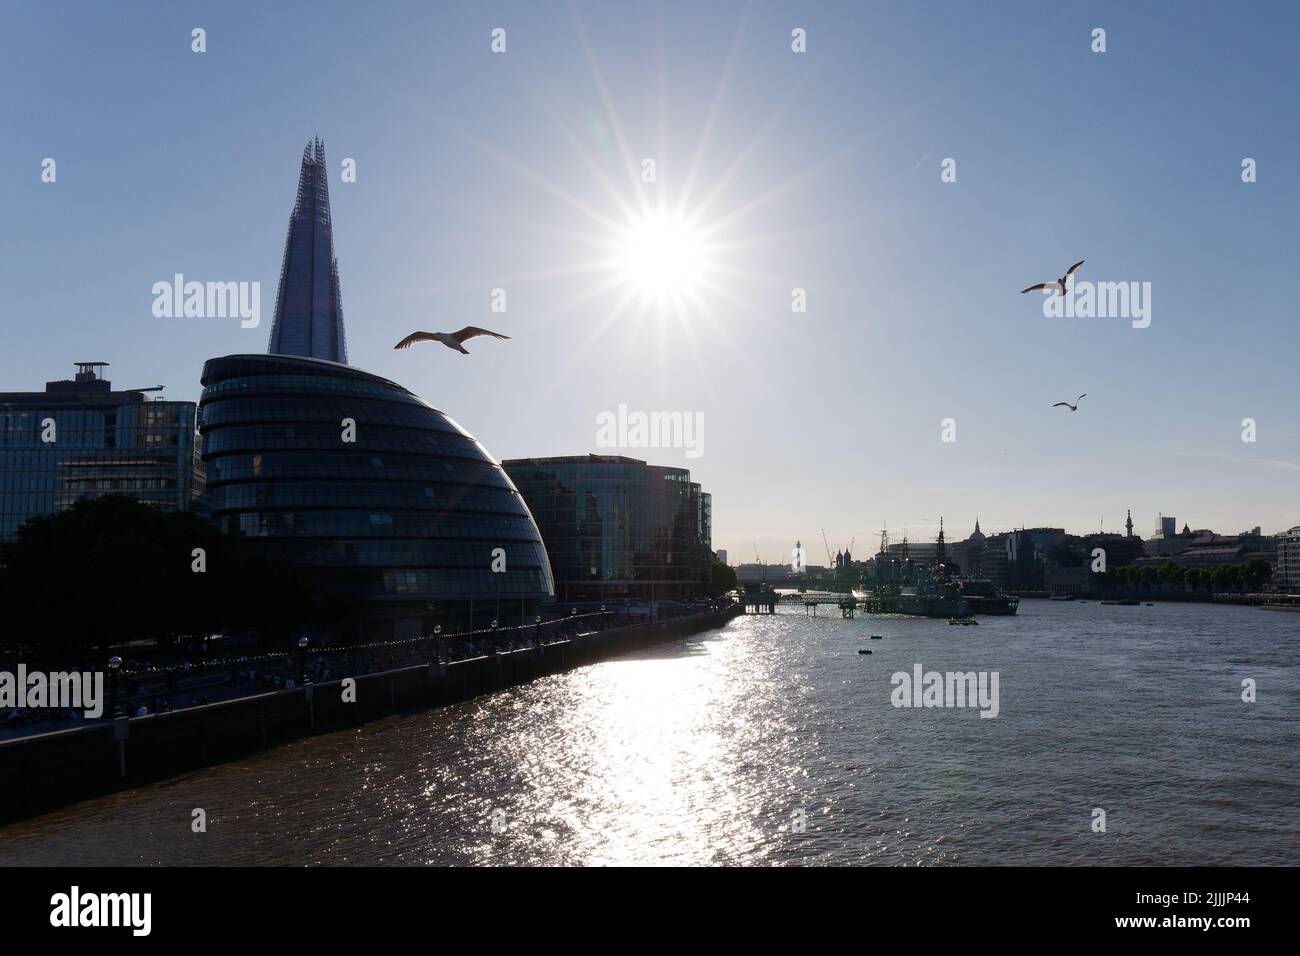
41	772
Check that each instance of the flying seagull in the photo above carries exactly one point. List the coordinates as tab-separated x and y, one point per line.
1074	407
452	340
1058	285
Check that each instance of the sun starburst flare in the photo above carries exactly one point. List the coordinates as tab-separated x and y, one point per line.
662	257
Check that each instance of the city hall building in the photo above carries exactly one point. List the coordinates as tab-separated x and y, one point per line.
353	479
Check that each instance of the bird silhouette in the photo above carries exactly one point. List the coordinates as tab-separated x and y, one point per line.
1058	285
1074	407
452	340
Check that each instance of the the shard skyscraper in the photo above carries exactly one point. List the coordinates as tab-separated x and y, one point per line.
308	308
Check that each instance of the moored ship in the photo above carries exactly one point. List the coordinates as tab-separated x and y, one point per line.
985	598
933	600
938	589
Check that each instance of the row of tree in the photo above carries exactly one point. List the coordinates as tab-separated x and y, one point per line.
1219	578
112	570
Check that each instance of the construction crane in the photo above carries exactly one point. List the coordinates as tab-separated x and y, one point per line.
757	559
830	562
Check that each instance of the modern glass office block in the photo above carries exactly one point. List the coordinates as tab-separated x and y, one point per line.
80	439
617	528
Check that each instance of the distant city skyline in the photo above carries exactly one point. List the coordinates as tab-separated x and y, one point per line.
817	171
814	548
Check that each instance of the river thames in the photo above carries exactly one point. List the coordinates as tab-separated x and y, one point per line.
772	741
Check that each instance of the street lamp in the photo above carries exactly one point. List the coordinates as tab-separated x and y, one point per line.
114	663
602	617
437	633
302	660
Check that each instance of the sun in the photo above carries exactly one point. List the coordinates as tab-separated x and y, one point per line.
662	256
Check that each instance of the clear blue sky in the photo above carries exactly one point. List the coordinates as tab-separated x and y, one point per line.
821	171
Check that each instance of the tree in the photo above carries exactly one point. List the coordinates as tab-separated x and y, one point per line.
111	570
1171	575
1224	577
1257	573
718	579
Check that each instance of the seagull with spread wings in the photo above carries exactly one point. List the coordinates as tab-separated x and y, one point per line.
1074	407
1058	285
452	340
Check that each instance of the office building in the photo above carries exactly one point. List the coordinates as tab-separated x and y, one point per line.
80	439
618	529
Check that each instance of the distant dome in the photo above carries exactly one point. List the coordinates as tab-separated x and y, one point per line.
977	536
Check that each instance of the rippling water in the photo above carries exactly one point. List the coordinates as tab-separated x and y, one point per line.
705	750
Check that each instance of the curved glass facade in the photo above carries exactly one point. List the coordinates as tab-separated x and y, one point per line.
407	514
617	528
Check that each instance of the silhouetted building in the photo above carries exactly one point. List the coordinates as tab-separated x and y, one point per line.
1287	573
617	528
80	439
308	308
1027	551
382	501
995	564
1204	548
968	556
405	515
1120	549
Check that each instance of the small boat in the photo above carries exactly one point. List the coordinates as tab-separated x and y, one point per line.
863	650
1149	604
1060	597
1125	603
962	620
877	637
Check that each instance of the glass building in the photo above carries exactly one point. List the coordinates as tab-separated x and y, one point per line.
80	439
405	510
617	528
308	308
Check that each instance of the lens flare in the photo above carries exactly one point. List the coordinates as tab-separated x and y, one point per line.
662	256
